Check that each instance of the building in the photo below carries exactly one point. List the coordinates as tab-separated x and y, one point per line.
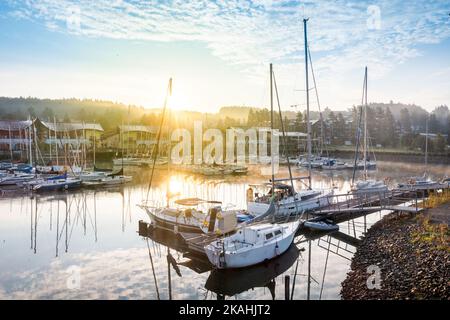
15	138
132	139
74	134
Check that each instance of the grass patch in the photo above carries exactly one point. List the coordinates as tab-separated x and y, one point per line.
437	235
436	199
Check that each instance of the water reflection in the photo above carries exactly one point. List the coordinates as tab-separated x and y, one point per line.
42	237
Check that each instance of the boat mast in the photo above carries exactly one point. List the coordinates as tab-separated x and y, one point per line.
168	143
272	128
426	145
10	144
307	103
365	126
56	141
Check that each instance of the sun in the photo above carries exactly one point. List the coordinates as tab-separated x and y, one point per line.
175	185
179	101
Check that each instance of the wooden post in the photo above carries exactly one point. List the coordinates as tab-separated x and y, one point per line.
287	279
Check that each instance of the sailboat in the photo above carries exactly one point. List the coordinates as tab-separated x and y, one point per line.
423	182
289	201
365	186
251	245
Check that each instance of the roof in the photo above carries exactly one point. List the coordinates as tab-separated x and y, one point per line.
137	128
60	126
14	124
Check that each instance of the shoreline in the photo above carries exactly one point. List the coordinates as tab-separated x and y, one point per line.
412	254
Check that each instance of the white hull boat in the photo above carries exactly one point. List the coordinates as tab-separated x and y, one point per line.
251	245
369	186
116	180
421	183
92	176
290	203
192	220
321	226
58	185
16	179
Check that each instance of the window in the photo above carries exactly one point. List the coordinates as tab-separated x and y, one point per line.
269	236
277	232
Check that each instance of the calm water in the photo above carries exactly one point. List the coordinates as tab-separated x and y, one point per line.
84	245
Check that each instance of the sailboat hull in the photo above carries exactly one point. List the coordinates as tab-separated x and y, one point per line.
173	224
288	208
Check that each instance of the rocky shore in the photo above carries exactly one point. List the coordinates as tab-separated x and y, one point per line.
413	257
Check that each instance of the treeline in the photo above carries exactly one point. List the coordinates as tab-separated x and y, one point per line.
390	125
408	131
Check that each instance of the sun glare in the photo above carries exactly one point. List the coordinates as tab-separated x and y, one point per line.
179	101
175	184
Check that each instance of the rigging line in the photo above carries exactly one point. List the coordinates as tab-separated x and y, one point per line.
318	104
285	143
325	268
156	146
153	269
358	133
295	277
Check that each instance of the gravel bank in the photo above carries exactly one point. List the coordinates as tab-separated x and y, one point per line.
413	264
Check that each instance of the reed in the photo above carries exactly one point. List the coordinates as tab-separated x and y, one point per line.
436	199
437	235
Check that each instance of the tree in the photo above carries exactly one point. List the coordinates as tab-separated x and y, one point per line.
433	124
389	136
440	144
405	120
47	114
298	123
32	112
66	118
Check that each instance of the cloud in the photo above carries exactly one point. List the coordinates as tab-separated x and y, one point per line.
253	32
344	35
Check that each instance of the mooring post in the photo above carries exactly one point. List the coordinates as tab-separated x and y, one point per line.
287	280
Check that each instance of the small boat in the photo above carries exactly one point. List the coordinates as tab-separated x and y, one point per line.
114	180
58	185
16	179
22	167
321	226
420	183
139	162
370	165
92	176
235	281
334	164
251	245
187	217
369	186
289	202
93	183
43	179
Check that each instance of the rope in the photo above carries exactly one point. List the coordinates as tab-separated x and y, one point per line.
153	269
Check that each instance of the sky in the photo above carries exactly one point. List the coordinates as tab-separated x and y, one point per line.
218	52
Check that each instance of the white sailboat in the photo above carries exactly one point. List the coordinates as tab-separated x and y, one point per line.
251	245
424	182
365	186
289	201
